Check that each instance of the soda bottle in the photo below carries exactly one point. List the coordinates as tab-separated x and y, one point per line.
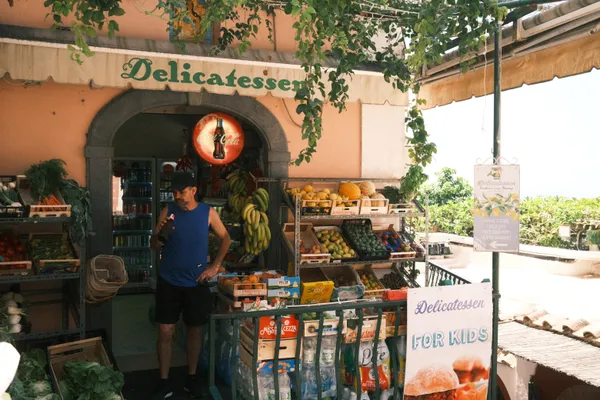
219	141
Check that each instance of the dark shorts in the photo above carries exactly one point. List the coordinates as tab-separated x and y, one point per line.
196	304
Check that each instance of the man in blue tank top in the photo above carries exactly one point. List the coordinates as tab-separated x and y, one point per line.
183	269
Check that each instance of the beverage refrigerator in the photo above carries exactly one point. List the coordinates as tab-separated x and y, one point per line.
133	218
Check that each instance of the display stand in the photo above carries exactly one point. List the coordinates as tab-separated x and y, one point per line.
72	289
406	266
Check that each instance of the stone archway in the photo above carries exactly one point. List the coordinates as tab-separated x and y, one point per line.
99	153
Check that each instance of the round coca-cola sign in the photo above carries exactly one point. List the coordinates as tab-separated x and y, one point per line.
218	138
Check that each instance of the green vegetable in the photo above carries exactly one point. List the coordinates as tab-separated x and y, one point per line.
32	382
46	177
79	199
392	193
41	388
90	381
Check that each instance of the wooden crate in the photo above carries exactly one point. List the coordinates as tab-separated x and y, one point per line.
390	321
370	293
395	255
401	208
237	290
367	208
15	268
340	207
316	207
308	237
336	228
88	350
12	211
266	347
42	211
69	265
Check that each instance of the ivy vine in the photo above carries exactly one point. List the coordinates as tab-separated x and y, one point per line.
415	35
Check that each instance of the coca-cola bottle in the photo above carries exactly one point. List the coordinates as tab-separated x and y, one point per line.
219	141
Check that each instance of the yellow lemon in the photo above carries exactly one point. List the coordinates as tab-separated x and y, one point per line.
496	212
322	196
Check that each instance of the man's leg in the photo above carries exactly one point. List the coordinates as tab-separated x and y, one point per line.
196	308
164	347
194	347
168	309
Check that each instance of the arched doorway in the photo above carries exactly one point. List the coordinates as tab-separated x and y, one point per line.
99	152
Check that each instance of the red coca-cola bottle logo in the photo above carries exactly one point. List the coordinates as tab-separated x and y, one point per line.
218	138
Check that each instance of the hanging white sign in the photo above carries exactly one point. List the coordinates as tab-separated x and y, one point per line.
496	208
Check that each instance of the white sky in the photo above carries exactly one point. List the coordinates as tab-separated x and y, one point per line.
552	129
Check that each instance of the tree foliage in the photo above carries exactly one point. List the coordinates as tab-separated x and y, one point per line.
415	34
448	188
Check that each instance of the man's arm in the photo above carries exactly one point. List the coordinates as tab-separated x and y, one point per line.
162	219
217	225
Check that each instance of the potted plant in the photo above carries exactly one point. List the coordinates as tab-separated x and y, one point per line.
593	237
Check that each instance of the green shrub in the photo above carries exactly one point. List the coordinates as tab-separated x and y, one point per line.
541	218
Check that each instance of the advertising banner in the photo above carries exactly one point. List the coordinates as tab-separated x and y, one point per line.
496	208
449	342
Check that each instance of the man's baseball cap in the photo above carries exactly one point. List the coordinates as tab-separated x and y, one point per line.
181	180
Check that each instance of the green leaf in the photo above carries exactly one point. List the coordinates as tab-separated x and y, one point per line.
116	12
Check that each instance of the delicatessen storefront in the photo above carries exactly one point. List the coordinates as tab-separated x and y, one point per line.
324	256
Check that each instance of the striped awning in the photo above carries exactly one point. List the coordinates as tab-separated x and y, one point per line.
559	42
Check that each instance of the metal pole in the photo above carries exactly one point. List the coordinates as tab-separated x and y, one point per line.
495	255
522	3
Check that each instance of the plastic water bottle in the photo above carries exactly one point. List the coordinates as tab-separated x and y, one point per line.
309	351
328	351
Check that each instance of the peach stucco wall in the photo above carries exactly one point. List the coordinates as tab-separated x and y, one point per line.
339	150
135	23
51	121
48	121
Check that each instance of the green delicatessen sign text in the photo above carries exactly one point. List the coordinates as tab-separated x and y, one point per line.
140	69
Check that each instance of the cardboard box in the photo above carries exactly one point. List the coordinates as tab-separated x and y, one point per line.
369	327
284	293
266	348
330	327
315	287
267	327
266	367
354	290
284	282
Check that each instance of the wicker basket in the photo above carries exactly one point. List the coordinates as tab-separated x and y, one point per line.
101	268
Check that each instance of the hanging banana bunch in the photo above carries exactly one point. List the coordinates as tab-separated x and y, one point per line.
256	223
237	183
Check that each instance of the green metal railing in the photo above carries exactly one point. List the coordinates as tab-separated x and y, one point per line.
359	307
436	275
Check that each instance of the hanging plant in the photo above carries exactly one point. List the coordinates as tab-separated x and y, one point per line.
416	34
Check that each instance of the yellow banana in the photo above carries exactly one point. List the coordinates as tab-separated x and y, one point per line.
247	208
256	217
264	218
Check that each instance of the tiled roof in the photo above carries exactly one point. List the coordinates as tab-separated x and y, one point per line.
571	354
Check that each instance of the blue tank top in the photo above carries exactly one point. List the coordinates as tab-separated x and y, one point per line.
185	253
